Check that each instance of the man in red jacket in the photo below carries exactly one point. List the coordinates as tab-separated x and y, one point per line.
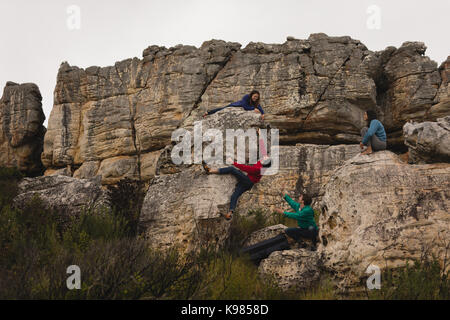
245	182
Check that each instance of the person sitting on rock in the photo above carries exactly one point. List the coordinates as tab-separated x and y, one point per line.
245	181
304	214
374	136
248	102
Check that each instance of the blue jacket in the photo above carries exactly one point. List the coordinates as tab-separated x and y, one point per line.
375	128
245	103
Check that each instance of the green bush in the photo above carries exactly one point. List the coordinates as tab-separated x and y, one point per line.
9	178
424	279
127	198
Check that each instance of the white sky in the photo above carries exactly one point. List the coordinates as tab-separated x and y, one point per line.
35	37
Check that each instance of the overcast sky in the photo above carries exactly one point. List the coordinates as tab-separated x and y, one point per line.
37	36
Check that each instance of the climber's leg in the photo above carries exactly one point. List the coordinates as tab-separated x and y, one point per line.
377	144
299	233
210	112
237	173
238	191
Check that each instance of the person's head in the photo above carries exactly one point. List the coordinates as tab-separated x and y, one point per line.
370	115
305	199
254	97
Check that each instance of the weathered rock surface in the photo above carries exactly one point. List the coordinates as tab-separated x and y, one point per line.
264	234
428	142
441	108
314	91
185	209
378	210
304	168
66	195
21	129
410	81
292	269
130	108
182	197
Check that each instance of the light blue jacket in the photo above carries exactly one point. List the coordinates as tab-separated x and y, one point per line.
376	127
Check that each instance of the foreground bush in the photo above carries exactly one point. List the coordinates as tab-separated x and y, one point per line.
423	279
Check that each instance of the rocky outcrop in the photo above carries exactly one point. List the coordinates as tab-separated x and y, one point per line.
314	91
428	142
379	210
292	269
66	196
184	209
21	129
123	113
182	197
304	168
264	234
409	83
441	108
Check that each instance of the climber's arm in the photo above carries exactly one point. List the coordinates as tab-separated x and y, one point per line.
294	205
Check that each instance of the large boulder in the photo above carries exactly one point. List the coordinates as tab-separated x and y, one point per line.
185	209
21	127
381	211
296	269
264	234
411	82
67	196
428	141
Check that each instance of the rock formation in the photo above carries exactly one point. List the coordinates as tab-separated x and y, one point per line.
428	142
66	196
181	199
292	269
126	112
441	106
184	209
264	234
314	91
21	129
379	210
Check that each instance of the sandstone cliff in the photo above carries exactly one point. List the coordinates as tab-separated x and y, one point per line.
114	121
21	129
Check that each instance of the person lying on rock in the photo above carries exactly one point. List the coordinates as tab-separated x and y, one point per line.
249	102
304	214
374	136
245	181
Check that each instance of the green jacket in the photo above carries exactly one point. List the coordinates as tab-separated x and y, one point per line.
304	217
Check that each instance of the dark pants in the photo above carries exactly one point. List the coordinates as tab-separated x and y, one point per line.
376	143
244	183
221	108
300	233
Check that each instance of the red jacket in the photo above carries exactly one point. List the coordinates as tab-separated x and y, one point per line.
253	171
